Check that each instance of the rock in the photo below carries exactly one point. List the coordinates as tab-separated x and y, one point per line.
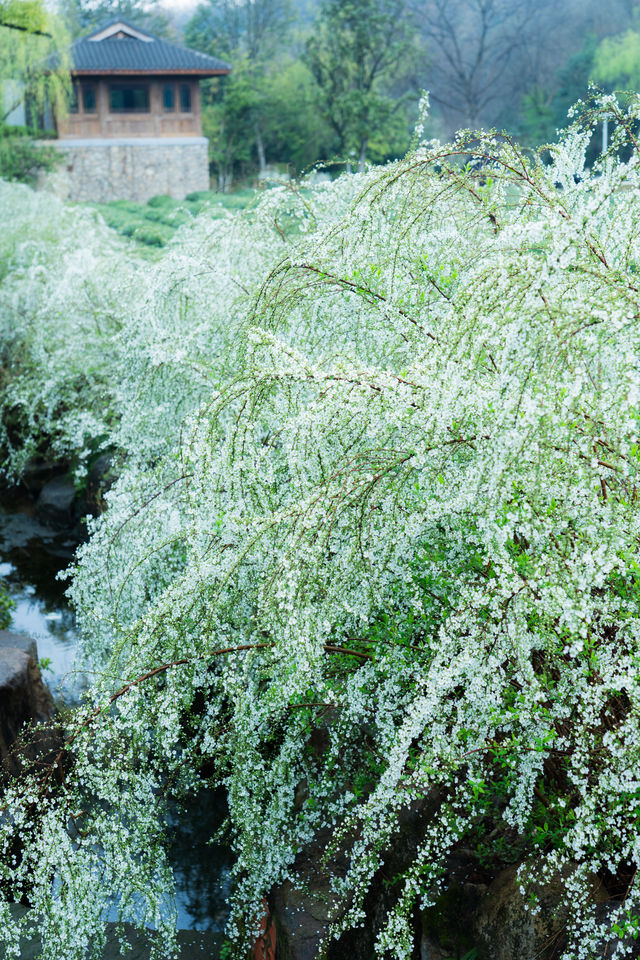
504	926
57	500
430	950
24	700
14	668
18	641
20	532
302	912
505	929
36	474
99	479
447	926
471	917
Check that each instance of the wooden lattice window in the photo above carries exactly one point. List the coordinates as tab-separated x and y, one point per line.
132	98
168	98
185	98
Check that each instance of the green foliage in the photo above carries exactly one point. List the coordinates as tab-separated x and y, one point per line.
33	73
155	223
358	49
251	34
616	61
21	158
82	16
294	130
254	29
537	118
572	81
228	110
282	102
27	15
33	62
544	109
271	107
6	606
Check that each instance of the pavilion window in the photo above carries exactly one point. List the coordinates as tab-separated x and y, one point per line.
168	98
73	99
133	98
89	100
185	98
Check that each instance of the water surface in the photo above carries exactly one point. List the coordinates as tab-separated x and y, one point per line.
32	554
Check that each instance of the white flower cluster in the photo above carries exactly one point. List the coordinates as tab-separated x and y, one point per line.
375	538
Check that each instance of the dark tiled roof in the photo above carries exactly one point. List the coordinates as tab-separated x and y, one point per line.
133	55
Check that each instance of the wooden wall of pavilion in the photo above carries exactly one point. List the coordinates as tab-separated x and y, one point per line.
96	118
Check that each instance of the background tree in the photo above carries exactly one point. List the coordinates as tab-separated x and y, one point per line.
473	44
255	28
616	61
515	64
34	81
249	33
295	132
228	107
359	50
32	62
82	16
543	108
322	77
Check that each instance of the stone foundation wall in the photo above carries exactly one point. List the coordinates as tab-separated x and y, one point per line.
129	169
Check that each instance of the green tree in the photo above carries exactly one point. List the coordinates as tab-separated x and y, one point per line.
295	132
253	28
227	116
292	131
250	33
544	107
82	16
32	62
616	61
6	606
359	49
33	75
536	115
572	80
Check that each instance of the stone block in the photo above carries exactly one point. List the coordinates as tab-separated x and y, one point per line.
24	701
57	500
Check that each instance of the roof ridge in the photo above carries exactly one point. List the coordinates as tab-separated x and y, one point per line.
111	23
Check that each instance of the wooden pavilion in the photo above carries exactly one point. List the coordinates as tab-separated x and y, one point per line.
134	128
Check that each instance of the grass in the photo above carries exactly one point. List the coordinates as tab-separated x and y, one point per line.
154	223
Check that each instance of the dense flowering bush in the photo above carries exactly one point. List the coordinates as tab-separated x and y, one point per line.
378	477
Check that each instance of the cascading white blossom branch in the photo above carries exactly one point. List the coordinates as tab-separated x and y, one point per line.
376	532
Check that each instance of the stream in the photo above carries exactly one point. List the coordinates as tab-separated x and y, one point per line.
32	554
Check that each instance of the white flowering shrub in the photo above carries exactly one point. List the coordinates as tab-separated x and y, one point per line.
375	539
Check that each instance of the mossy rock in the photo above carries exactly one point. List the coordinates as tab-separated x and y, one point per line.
447	926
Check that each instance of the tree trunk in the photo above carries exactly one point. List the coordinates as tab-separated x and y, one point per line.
262	160
363	154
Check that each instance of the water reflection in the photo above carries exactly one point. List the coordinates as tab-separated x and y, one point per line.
201	869
52	627
31	555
